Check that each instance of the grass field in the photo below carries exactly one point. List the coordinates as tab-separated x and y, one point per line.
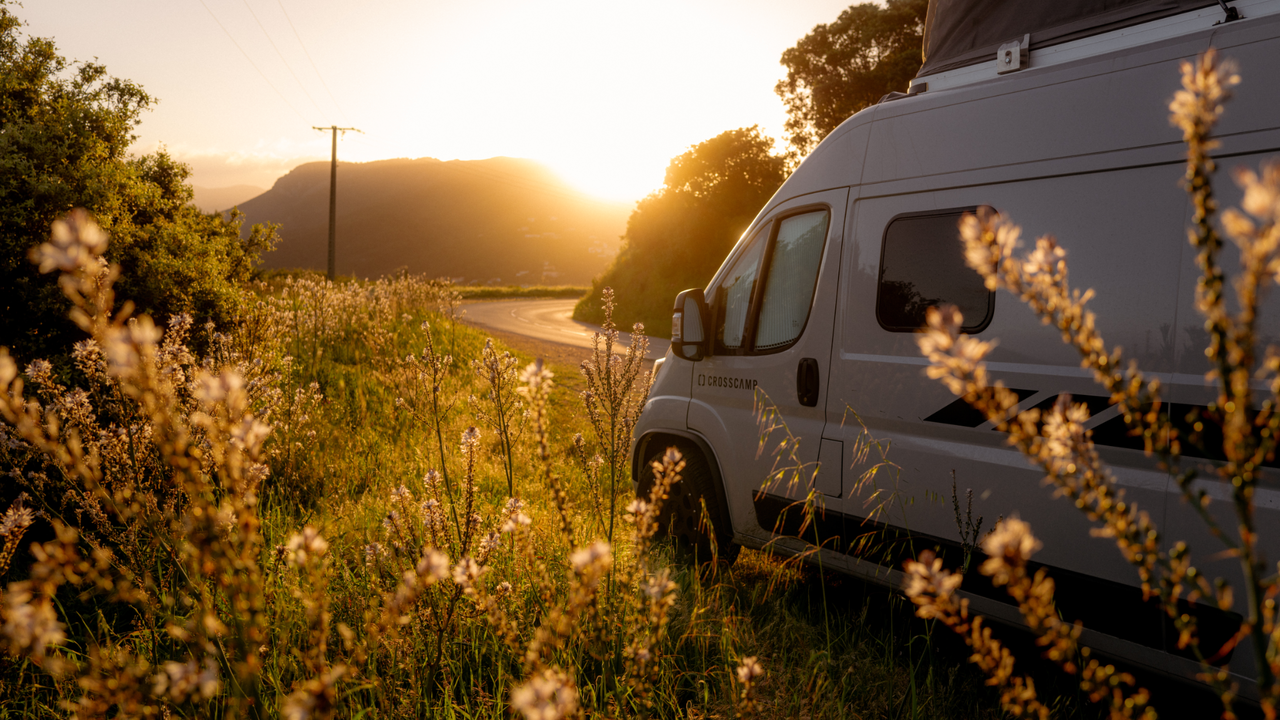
378	512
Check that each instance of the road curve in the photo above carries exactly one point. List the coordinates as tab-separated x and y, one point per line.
546	320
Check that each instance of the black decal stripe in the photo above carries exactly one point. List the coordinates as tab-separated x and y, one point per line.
1205	443
963	414
1095	403
1124	614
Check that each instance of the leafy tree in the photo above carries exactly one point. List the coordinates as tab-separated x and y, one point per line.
65	129
678	236
845	66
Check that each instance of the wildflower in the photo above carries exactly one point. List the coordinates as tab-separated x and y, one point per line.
8	368
989	241
548	695
434	564
373	552
929	586
40	372
76	240
516	521
213	389
16	520
389	522
536	379
256	473
466	573
638	508
491	542
401	494
249	434
658	586
598	554
749	670
305	547
515	518
178	681
225	519
30	627
1010	544
316	697
126	346
1261	195
1046	259
1206	85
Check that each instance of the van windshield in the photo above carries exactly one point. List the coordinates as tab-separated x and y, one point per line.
735	295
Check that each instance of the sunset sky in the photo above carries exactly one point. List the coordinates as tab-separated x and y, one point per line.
604	92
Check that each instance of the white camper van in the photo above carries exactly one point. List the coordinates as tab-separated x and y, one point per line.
1057	115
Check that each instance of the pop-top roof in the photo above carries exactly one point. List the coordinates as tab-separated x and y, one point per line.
965	32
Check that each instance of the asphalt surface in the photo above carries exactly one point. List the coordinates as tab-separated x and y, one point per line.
548	321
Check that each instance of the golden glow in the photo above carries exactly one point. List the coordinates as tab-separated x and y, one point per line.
604	93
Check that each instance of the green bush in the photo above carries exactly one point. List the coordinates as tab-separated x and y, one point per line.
67	129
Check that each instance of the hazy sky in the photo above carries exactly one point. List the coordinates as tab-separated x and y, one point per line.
606	92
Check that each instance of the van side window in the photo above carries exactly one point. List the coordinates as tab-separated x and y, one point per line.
793	271
733	297
921	266
767	317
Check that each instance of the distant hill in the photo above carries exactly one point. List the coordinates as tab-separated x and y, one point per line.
501	220
224	198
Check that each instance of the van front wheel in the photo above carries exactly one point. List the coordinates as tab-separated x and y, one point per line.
682	519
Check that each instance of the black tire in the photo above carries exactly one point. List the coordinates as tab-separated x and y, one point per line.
681	517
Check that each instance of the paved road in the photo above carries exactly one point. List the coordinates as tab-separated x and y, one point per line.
547	320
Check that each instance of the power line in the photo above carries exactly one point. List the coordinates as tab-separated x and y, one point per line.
313	62
251	62
282	58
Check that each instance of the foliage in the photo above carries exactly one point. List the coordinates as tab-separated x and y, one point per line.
842	67
273	527
677	237
67	129
1247	379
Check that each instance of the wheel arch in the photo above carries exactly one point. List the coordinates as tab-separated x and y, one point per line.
656	437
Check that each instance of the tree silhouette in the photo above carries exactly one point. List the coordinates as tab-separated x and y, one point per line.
679	235
842	67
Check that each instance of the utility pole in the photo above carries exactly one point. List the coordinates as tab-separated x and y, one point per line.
333	196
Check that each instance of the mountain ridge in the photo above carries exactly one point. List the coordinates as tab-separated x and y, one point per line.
500	220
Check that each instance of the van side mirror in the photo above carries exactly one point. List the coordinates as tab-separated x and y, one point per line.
689	338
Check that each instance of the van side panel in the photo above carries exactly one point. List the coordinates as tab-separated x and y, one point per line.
1131	258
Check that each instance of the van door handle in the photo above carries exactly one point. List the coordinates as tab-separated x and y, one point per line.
807	382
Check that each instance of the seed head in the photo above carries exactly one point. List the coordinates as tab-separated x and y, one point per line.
548	695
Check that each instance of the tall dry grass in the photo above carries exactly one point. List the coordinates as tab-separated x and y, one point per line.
330	514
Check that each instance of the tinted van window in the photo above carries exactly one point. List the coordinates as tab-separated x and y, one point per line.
921	266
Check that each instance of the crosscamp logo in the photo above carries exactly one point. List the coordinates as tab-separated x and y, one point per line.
724	381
